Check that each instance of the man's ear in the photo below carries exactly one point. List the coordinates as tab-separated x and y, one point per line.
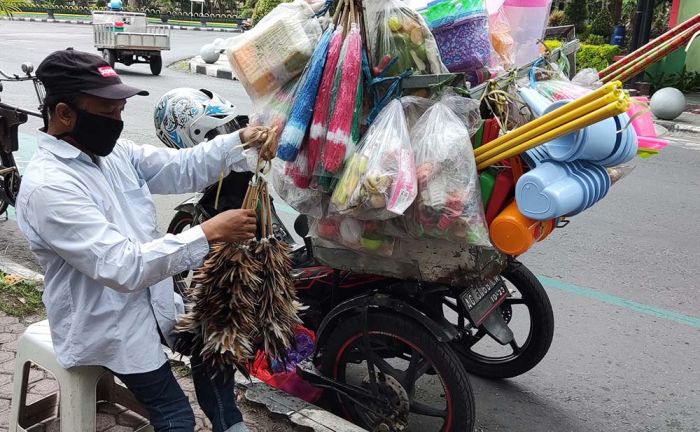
65	115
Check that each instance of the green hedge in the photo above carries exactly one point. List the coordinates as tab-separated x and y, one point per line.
152	13
591	56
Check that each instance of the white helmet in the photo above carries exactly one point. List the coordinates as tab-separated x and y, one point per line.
185	117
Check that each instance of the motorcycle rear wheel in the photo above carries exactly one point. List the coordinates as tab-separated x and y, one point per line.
395	341
530	295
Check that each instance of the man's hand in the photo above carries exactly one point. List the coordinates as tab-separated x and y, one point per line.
230	226
254	136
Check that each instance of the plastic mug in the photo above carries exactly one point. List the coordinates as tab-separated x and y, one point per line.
512	233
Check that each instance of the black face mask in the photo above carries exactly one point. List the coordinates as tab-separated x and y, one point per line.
95	133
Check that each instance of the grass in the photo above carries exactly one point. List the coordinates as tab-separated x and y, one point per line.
180	369
20	297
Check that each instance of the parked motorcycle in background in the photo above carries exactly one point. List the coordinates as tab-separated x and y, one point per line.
11	118
393	354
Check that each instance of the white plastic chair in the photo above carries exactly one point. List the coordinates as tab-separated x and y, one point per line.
79	388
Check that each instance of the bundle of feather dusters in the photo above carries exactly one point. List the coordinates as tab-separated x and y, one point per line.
243	296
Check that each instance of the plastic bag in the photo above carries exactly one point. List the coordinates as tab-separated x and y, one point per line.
276	50
303	105
461	30
304	200
501	40
398	32
361	236
449	200
379	180
286	378
587	78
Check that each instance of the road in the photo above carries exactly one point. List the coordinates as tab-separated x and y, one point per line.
622	276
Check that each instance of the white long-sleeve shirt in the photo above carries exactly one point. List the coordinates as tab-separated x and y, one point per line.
92	227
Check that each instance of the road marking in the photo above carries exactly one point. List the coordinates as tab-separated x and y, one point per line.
621	302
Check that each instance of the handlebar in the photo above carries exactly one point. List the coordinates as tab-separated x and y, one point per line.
27	68
22	110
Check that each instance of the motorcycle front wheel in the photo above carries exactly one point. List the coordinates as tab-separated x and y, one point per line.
528	313
419	382
181	222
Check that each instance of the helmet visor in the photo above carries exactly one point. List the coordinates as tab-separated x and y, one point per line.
224	129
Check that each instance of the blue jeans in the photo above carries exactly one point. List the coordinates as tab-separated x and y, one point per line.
169	408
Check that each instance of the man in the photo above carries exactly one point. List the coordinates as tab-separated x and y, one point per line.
85	207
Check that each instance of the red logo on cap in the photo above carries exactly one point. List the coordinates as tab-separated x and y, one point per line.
106	71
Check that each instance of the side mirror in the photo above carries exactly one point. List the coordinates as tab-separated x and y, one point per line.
27	68
301	225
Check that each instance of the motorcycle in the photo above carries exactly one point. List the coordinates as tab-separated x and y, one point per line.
394	354
11	118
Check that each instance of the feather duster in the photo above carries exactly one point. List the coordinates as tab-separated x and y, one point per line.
340	126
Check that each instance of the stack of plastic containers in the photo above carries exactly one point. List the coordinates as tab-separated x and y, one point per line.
460	28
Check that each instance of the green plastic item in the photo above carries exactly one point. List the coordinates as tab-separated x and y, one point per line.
438	10
479	137
487	179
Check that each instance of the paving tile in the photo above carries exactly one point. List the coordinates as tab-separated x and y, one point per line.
44	387
4	404
6	355
6	380
36	374
104	422
6	320
37	428
119	428
10	346
129	418
5	418
53	425
7	337
302	420
110	408
17	329
8	367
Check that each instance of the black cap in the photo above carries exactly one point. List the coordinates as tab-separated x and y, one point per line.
70	71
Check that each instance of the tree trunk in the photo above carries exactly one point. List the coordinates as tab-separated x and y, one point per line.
616	11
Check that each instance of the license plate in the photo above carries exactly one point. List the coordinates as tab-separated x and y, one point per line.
480	300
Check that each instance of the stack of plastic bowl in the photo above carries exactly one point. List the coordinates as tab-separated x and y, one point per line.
555	189
608	143
461	32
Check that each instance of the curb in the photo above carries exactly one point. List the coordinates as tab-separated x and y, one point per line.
678	128
10	267
217	70
276	401
172	27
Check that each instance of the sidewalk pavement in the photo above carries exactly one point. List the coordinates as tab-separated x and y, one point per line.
89	22
292	414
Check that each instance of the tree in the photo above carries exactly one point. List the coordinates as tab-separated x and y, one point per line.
263	7
602	23
8	7
576	13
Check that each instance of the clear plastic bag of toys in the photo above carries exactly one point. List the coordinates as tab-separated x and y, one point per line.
276	50
346	232
449	203
304	200
379	181
399	40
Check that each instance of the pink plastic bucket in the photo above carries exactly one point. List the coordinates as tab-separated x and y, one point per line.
642	124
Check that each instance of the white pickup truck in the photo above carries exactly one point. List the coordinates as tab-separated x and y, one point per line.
126	38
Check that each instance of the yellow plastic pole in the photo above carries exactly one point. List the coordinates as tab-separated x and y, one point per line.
516	137
597	94
612	109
